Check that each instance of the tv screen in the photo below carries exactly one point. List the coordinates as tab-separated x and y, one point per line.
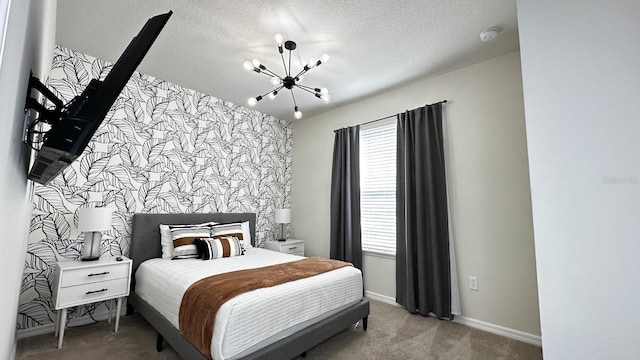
70	135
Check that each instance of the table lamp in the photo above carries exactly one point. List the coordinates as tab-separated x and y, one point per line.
283	216
93	220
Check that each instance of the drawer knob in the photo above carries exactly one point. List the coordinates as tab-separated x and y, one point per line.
96	274
293	247
95	291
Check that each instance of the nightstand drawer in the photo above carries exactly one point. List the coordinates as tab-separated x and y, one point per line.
87	275
295	249
88	293
290	246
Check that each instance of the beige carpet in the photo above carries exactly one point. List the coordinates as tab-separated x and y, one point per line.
393	334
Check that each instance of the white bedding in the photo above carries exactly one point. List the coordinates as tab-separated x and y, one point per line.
252	317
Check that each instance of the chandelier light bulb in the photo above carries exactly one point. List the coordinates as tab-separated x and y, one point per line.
272	95
248	65
300	78
297	114
311	63
275	81
324	58
279	39
326	98
324	91
256	63
252	101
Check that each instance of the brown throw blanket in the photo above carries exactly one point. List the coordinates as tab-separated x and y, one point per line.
202	300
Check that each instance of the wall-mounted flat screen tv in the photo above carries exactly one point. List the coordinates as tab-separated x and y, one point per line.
73	125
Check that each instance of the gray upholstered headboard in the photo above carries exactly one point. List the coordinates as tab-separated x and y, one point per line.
145	233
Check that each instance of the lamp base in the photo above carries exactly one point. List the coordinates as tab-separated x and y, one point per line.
281	236
91	249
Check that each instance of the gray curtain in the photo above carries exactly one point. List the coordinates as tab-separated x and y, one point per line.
423	280
346	241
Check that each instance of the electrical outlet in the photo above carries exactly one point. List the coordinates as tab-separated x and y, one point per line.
473	283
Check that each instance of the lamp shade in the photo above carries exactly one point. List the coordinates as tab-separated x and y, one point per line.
283	216
94	218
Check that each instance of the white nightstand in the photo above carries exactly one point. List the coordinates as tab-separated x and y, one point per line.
290	246
85	282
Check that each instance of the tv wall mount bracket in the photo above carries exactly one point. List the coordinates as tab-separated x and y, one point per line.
50	111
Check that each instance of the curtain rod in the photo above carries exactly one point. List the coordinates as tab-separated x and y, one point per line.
390	116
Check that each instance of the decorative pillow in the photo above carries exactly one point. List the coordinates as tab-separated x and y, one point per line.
184	239
246	235
240	230
166	239
219	247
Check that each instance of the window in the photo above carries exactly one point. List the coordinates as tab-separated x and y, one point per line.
378	187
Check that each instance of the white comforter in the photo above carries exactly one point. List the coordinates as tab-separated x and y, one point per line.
255	316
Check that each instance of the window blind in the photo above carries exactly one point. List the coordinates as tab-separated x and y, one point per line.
378	187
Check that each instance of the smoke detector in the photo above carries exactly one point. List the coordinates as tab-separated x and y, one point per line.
489	34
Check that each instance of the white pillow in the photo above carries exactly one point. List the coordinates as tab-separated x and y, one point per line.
246	235
166	240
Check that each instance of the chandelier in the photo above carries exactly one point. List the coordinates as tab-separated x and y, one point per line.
288	80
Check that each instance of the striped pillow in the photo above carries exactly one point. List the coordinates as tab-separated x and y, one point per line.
184	240
239	230
166	240
219	247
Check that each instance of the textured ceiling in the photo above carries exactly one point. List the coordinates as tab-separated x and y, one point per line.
373	45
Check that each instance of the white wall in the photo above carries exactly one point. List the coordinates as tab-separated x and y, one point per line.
581	71
489	186
29	44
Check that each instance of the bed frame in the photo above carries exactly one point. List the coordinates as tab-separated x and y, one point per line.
145	244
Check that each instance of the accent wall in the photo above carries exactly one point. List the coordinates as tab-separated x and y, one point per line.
162	148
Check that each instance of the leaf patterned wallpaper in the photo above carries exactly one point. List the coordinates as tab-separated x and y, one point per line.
161	149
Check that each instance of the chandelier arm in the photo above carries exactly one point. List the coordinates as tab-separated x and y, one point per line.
302	72
268	72
294	98
307	90
270	91
306	87
285	69
284	64
276	89
264	73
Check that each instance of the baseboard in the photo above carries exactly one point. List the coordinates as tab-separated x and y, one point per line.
477	324
379	297
499	330
49	328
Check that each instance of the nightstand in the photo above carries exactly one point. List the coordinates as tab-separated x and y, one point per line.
85	282
290	246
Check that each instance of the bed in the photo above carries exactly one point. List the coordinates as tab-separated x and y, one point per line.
287	344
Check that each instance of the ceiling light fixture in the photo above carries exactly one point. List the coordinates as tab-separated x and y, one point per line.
287	81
